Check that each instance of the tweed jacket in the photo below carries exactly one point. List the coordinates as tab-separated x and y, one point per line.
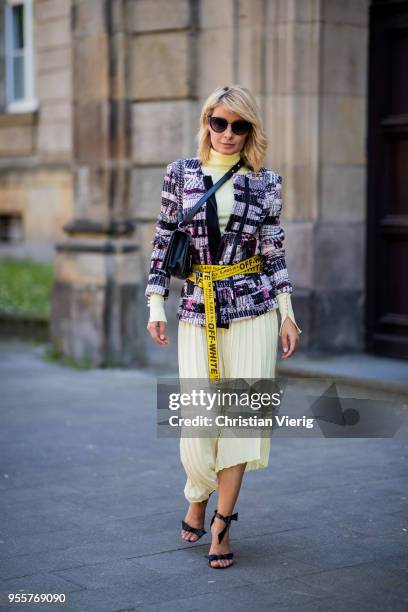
253	228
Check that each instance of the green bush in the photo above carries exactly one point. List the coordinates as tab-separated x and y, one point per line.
25	287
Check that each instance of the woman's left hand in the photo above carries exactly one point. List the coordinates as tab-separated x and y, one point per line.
290	338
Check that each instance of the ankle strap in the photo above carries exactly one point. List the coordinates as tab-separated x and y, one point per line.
227	520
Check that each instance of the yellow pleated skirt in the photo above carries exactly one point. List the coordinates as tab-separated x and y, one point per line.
248	349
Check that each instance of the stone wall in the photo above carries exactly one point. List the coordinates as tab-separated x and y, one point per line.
36	147
120	87
306	63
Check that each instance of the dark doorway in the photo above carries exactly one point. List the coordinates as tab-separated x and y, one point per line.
387	181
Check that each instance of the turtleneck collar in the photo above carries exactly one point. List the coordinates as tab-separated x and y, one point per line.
221	159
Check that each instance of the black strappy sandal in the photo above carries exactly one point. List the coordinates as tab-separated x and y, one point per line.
227	520
199	532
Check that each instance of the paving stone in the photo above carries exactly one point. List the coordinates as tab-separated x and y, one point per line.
92	502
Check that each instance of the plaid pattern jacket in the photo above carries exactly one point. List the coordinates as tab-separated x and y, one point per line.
253	228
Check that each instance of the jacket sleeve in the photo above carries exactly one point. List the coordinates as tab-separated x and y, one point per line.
158	280
272	236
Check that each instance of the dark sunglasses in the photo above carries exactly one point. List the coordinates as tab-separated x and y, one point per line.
219	124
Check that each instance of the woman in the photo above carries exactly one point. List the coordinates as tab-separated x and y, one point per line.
240	220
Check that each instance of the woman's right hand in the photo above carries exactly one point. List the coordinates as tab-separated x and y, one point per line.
157	330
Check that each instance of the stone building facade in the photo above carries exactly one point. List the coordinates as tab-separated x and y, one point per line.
119	86
36	182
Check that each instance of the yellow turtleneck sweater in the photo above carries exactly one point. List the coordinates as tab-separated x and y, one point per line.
216	167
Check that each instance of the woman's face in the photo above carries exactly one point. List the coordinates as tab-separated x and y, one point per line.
226	142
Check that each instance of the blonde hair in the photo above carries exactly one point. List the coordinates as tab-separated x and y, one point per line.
238	100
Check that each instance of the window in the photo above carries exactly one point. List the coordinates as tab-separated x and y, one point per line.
11	228
19	55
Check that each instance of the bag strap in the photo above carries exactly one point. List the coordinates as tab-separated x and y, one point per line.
207	195
180	186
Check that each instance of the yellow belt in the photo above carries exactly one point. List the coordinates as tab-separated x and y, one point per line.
204	275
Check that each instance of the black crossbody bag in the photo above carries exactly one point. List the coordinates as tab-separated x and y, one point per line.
178	258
